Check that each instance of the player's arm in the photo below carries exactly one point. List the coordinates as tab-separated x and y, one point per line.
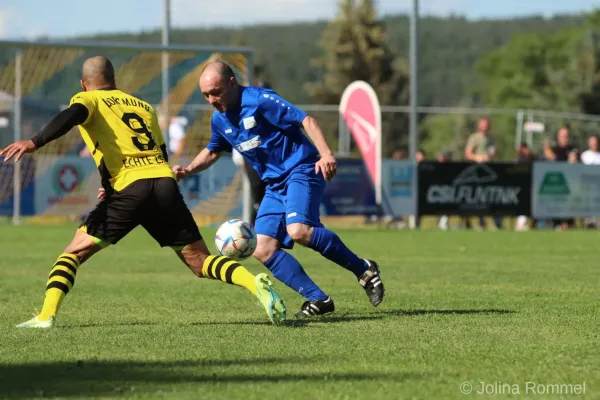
281	113
61	124
207	156
327	163
548	152
202	161
491	149
314	132
158	136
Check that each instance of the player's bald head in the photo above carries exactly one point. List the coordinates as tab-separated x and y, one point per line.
98	71
217	71
219	85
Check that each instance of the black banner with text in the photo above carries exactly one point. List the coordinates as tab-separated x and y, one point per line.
462	188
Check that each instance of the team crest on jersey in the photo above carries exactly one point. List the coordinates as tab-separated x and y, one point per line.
249	144
249	123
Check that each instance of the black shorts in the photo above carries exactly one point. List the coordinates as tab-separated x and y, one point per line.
155	204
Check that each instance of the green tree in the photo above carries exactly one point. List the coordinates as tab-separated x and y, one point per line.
550	72
354	48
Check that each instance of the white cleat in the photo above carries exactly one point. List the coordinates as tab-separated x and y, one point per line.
35	322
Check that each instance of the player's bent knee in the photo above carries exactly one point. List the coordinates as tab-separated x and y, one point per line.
300	233
266	247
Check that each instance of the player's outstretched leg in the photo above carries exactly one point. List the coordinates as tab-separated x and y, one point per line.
62	278
331	247
289	271
197	257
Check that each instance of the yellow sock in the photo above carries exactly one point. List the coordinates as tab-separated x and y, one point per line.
227	270
60	281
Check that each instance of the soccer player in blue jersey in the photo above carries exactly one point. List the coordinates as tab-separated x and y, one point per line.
266	130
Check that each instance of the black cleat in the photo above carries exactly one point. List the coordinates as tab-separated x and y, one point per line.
372	283
316	307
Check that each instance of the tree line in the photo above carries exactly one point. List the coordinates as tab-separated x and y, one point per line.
533	63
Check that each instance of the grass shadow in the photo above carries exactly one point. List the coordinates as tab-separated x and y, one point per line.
354	317
115	378
326	319
402	313
97	325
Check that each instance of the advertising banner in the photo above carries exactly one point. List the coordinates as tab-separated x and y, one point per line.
563	190
350	192
399	183
360	108
464	188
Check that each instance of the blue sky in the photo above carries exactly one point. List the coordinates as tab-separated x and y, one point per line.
67	18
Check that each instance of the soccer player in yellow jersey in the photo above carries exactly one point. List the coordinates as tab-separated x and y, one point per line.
139	188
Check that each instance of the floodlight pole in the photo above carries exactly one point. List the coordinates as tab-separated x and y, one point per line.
165	112
414	80
18	103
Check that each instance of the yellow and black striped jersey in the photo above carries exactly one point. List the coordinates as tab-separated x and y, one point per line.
123	135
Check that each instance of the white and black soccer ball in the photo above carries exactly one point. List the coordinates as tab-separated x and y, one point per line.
236	239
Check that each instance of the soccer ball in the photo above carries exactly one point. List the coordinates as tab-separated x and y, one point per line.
236	239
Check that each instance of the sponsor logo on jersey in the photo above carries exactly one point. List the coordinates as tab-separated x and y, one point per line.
249	144
133	162
249	123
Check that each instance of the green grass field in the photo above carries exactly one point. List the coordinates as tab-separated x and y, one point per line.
497	307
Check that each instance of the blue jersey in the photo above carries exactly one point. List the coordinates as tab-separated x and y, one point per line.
265	129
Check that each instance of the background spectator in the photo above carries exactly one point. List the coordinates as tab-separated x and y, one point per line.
524	155
444	156
176	136
480	148
591	156
560	150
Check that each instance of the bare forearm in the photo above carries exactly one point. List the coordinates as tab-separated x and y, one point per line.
549	154
203	160
469	156
314	132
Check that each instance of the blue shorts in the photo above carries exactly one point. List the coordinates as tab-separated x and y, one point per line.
296	201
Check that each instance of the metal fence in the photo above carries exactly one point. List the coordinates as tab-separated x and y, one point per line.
38	79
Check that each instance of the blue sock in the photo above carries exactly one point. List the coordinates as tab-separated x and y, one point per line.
331	247
289	271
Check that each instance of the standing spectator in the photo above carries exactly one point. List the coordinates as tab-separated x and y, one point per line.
573	157
524	155
480	145
398	155
561	152
443	157
591	156
480	148
176	137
